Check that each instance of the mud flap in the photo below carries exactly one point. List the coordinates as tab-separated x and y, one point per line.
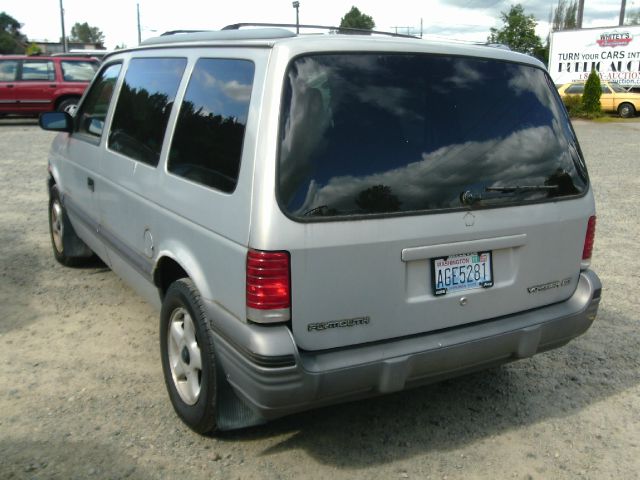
232	412
72	244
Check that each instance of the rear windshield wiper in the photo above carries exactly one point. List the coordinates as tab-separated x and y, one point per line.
470	197
320	210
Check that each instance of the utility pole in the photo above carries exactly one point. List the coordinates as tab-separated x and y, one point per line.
139	30
421	25
296	5
623	7
65	45
580	13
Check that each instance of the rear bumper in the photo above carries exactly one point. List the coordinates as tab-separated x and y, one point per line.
267	371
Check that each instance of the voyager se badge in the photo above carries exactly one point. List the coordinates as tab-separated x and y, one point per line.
548	286
348	322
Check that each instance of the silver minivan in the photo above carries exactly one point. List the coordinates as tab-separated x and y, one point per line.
322	218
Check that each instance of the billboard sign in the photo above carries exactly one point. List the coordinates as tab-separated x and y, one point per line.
613	52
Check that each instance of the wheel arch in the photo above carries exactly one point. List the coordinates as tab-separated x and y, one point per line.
64	97
51	181
166	271
52	175
170	267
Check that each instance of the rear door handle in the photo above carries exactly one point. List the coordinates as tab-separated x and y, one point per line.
90	185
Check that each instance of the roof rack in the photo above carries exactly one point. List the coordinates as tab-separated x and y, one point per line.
181	36
238	26
175	32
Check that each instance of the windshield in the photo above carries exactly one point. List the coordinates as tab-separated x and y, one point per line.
365	134
616	87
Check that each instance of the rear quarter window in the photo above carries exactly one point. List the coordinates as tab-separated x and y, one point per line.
78	71
208	139
371	134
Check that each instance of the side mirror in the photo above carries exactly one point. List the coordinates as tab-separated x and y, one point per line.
56	121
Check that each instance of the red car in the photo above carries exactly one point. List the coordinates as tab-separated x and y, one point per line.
32	85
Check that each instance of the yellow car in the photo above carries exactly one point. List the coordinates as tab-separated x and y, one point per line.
615	97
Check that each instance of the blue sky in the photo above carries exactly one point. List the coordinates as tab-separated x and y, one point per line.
456	19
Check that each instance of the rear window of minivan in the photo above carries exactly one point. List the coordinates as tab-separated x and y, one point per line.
371	134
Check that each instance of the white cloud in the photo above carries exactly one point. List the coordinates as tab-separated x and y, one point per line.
234	90
442	172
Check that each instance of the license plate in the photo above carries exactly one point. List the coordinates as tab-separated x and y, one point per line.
461	272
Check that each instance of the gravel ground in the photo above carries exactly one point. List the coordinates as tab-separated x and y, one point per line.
82	394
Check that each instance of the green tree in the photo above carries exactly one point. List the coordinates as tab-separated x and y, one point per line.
571	16
565	16
633	17
591	96
84	33
542	53
11	39
356	19
518	32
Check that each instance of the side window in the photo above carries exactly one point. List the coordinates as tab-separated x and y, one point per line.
605	89
92	113
8	70
38	70
143	108
207	143
78	71
578	88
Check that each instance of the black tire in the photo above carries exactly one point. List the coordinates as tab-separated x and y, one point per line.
197	407
68	248
626	110
66	103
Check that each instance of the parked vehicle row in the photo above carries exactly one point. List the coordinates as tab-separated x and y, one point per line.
615	98
32	85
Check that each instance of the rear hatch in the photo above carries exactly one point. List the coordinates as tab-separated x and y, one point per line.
424	192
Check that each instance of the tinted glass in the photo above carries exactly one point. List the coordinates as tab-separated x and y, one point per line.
371	133
605	89
93	111
78	71
207	143
144	106
38	70
575	89
8	69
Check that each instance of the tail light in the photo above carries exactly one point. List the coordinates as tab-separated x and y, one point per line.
589	238
268	286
